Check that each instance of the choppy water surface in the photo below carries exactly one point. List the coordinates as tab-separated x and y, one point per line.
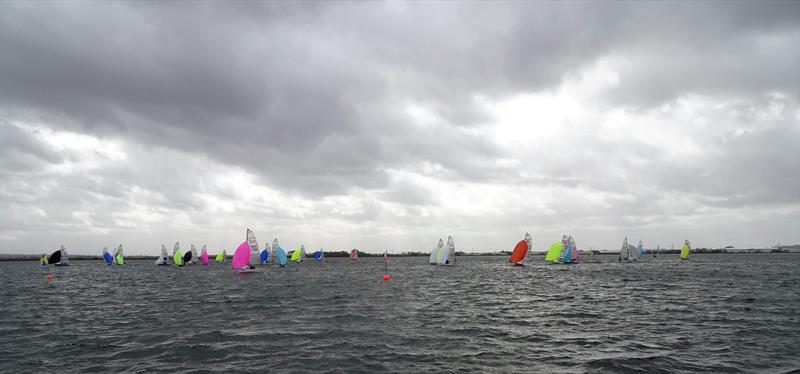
714	313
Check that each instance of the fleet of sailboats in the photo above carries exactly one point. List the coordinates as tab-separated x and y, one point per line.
248	255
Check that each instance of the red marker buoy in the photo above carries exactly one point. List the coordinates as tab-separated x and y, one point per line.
386	277
50	276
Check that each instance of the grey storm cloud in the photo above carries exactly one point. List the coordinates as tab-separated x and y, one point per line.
312	97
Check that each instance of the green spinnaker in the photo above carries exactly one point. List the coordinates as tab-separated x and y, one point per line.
177	258
296	255
220	257
553	252
684	251
120	259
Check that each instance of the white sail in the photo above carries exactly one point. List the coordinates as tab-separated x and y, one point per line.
164	253
160	260
255	254
448	255
624	253
435	252
195	257
64	257
633	253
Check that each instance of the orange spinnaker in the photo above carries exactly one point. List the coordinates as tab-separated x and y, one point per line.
520	250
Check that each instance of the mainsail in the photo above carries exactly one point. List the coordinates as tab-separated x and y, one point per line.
435	252
280	254
685	250
633	253
255	257
448	255
177	256
118	257
107	256
161	260
520	250
195	257
624	253
204	255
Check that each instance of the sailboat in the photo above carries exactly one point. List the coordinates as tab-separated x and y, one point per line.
247	255
264	256
319	255
119	259
195	257
109	260
190	257
280	254
436	251
576	253
566	250
628	252
520	251
59	257
354	254
177	256
685	248
255	256
43	261
298	254
204	255
163	259
640	249
553	251
221	256
448	255
241	258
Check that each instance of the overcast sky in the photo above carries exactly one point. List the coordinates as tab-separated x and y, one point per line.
389	125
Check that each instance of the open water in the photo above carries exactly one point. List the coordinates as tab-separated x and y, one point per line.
713	313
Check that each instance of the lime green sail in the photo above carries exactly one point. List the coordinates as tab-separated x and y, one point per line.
439	252
119	259
220	256
296	255
685	250
177	255
553	252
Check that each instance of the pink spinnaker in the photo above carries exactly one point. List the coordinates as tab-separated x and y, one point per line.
576	254
204	258
241	256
